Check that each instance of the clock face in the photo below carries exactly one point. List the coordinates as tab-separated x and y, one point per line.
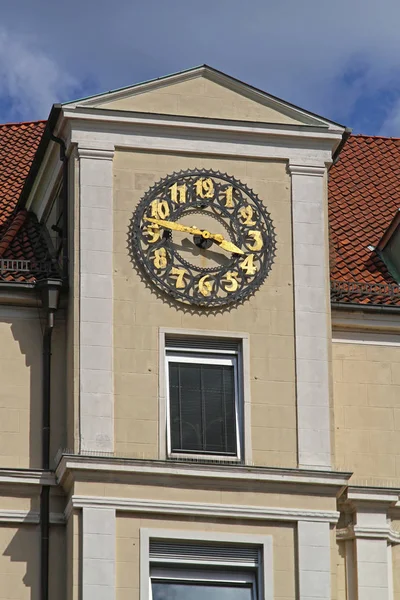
203	238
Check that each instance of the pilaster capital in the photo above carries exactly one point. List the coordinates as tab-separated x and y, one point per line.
310	170
96	153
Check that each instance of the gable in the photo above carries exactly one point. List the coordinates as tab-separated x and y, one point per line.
199	97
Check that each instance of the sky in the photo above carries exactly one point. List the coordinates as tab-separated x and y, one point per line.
339	59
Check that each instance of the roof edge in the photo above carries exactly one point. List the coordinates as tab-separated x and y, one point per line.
40	152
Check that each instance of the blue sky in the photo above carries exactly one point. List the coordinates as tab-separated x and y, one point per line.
339	59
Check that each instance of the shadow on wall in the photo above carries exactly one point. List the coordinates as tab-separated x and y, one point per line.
26	396
20	562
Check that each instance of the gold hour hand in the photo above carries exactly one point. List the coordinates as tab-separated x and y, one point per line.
229	246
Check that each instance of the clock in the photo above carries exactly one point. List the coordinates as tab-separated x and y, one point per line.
203	237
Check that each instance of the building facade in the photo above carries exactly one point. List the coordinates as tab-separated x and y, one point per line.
200	339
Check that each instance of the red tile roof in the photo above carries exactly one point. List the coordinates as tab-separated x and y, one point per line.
20	237
364	195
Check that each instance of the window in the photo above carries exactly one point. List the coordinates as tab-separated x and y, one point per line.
193	584
204	406
189	569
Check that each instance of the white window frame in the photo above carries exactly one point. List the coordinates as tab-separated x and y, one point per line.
244	388
206	357
263	576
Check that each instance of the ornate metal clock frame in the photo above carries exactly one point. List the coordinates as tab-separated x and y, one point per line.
248	241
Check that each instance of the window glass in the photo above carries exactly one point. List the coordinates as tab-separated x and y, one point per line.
202	408
165	590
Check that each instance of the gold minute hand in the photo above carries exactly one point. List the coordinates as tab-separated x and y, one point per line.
174	226
217	237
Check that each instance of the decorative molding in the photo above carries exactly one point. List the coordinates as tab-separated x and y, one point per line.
70	463
30	517
352	532
309	170
192	509
102	153
27	476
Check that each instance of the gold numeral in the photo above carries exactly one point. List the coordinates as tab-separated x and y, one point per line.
233	283
258	241
205	287
229	197
152	232
178	193
160	258
246	212
180	281
159	209
247	265
204	188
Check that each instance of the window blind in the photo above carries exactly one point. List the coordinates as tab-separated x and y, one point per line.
208	344
202	408
207	553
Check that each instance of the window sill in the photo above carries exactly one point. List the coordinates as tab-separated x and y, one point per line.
204	458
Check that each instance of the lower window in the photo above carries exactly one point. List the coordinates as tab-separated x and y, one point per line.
204	570
192	584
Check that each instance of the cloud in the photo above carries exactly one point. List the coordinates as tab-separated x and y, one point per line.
339	59
30	81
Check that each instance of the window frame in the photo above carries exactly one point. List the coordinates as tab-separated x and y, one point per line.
243	341
204	357
226	577
261	575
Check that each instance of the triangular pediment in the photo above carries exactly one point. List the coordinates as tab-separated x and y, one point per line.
203	92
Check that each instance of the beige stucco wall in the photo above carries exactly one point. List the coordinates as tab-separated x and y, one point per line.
199	97
128	549
210	491
267	317
367	413
21	389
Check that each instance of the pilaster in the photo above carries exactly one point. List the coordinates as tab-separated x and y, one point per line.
96	299
314	559
98	553
312	318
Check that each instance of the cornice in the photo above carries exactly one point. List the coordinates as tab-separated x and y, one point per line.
194	509
75	464
352	532
27	476
357	320
372	494
171	132
29	517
